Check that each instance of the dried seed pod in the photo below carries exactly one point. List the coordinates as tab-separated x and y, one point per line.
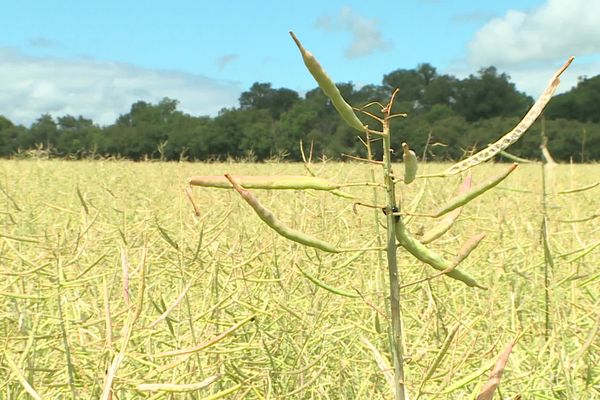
487	392
467	248
410	163
328	87
265	182
269	218
518	131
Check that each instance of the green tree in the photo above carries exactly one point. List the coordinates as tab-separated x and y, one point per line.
262	96
242	133
139	133
441	90
409	82
76	135
489	94
580	103
369	93
187	137
9	134
43	131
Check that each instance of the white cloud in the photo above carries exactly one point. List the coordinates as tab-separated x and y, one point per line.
366	37
531	45
555	30
98	90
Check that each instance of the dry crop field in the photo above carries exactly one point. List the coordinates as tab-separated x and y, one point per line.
111	286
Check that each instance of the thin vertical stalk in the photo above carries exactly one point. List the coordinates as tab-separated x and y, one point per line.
63	329
391	212
548	264
376	215
548	261
584	131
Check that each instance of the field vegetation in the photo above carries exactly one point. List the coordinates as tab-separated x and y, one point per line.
112	286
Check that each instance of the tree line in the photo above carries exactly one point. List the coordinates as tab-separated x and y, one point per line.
447	118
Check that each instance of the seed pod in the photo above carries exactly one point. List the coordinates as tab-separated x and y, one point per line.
518	131
422	253
265	182
269	218
190	195
446	223
467	248
410	163
464	198
325	286
328	87
579	189
487	392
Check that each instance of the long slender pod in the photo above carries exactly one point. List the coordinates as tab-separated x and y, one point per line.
446	223
328	87
326	286
265	182
467	248
579	189
478	190
422	253
518	131
487	392
269	218
438	359
514	158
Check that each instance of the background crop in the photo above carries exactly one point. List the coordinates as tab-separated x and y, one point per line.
71	232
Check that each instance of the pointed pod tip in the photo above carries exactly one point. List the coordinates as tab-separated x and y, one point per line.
234	183
297	41
564	67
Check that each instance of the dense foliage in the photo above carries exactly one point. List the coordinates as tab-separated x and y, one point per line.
447	116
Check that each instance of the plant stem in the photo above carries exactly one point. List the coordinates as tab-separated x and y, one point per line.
548	261
396	338
548	264
63	329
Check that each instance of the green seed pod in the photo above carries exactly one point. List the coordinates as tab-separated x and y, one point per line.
579	189
328	87
410	163
269	218
464	198
265	182
422	253
325	286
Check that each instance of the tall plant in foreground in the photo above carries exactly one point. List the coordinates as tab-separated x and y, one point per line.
397	234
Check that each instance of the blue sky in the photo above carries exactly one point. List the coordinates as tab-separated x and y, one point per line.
97	58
